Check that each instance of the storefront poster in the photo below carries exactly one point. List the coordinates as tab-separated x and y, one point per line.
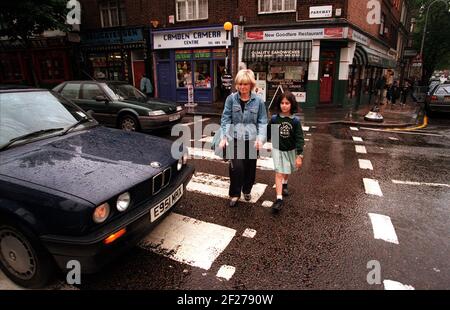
261	89
300	96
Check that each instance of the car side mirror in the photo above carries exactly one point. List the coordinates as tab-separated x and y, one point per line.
101	98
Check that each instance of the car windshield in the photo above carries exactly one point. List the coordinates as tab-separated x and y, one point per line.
23	113
127	91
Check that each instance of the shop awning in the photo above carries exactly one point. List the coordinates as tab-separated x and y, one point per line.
367	57
277	51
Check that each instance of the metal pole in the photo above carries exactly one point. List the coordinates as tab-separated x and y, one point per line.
226	52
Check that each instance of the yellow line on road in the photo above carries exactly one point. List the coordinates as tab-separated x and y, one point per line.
424	125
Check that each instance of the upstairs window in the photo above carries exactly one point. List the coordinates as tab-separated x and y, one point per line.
192	10
109	13
276	6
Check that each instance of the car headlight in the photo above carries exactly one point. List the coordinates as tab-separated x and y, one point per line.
182	161
123	202
101	213
156	113
185	158
179	108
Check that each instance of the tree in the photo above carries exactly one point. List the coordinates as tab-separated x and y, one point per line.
436	52
24	19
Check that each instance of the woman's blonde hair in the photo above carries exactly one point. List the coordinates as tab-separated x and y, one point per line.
245	76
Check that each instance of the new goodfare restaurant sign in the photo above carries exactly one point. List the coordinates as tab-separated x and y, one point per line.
296	34
210	37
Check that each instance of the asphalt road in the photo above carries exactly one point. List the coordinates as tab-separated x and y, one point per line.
340	223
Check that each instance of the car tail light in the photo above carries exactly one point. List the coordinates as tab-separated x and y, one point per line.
113	237
434	98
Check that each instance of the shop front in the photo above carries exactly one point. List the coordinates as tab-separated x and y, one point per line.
118	54
190	60
306	62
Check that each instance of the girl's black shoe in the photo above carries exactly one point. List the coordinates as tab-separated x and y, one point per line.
285	190
277	206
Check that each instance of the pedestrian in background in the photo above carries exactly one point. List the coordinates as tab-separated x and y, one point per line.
146	86
288	154
243	123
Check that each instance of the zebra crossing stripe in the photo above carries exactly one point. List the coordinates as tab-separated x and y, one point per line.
365	164
354	129
360	149
226	272
192	123
390	285
305	128
383	228
207	139
357	139
218	186
189	241
372	187
264	163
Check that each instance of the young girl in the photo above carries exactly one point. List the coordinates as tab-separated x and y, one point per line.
287	152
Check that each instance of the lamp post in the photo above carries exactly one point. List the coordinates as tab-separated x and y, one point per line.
425	29
227	27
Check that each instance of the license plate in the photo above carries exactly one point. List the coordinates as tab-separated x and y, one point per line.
162	207
447	99
174	117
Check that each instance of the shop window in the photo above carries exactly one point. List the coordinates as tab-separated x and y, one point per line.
71	91
109	13
276	6
184	74
10	68
202	74
52	69
192	9
90	91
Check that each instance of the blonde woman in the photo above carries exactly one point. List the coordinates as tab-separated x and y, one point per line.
244	127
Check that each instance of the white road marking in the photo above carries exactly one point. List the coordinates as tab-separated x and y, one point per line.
263	163
393	139
207	139
390	285
313	127
188	240
218	186
357	139
226	272
404	132
192	123
365	164
267	204
307	140
372	187
309	134
383	228
249	233
354	129
305	128
420	183
361	149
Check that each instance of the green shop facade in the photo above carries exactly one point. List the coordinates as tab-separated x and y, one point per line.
329	66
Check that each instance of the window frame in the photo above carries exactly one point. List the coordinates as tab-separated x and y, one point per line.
108	5
283	10
196	11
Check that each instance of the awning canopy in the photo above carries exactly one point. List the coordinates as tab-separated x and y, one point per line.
367	57
277	51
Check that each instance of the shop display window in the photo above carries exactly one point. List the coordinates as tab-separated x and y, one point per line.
51	68
202	74
184	73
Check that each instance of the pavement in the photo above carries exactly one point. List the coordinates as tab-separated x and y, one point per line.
411	114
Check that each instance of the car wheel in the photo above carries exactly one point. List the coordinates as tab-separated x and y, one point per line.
22	257
129	123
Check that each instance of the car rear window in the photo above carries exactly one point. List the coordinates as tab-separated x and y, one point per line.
443	90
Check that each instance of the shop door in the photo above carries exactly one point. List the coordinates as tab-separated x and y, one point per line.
327	72
164	86
138	71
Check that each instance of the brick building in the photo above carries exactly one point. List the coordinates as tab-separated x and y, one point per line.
326	52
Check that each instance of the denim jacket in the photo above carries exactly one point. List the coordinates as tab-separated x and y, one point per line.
250	124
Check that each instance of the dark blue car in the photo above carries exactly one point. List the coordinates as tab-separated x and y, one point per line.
73	190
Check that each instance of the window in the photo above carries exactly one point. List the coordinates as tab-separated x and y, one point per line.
277	6
52	69
90	91
10	69
109	13
192	9
71	91
443	90
382	25
202	74
184	73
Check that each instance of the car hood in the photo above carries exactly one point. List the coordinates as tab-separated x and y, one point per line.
94	165
168	107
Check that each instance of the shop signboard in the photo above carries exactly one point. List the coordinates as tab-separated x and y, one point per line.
207	37
325	11
297	34
190	89
107	37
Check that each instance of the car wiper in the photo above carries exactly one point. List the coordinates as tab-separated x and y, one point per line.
81	121
29	135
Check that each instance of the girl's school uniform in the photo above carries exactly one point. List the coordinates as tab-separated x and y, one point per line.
291	143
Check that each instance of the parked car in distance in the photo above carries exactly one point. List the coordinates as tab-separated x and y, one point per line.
73	190
438	100
120	105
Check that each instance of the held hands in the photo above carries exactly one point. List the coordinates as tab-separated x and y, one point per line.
223	143
299	162
258	145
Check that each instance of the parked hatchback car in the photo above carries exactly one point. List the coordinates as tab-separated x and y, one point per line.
120	105
438	100
73	190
